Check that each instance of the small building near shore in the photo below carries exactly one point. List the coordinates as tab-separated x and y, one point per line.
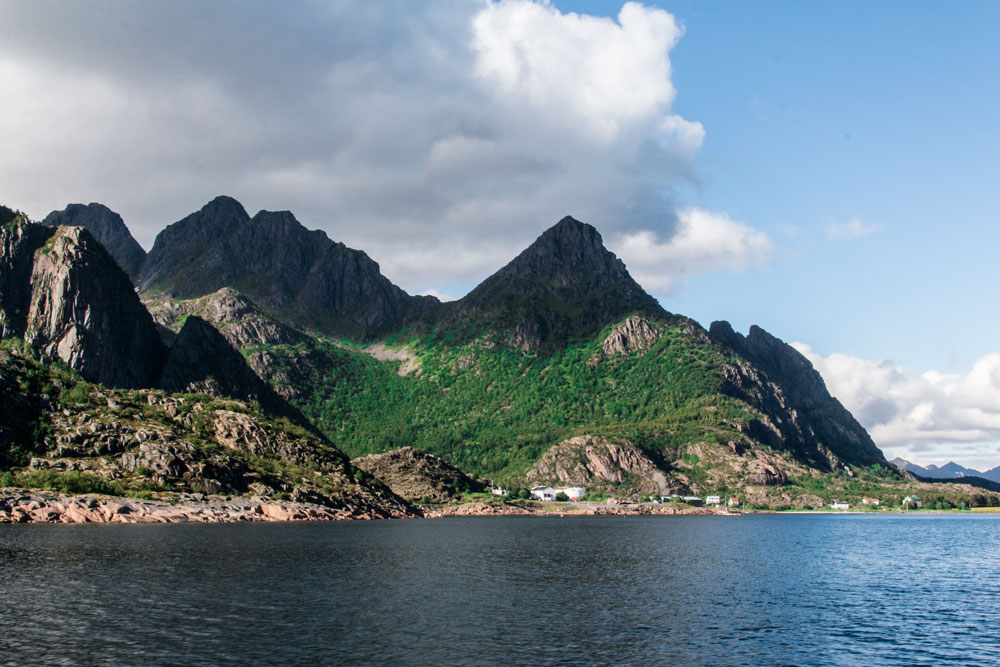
913	501
734	502
543	493
693	500
871	501
840	505
713	500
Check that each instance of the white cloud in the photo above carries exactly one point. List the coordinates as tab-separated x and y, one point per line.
420	132
927	418
704	241
583	68
852	229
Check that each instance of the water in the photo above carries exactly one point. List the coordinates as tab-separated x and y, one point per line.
752	590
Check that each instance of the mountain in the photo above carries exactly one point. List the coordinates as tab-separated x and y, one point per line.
108	228
558	349
950	470
558	368
295	274
565	287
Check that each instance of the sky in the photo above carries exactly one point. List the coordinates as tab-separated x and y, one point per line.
823	169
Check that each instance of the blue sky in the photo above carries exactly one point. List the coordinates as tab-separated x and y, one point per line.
822	169
819	113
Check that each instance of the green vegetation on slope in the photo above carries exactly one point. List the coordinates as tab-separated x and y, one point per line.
492	411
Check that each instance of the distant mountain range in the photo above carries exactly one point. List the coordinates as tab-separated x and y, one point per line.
950	470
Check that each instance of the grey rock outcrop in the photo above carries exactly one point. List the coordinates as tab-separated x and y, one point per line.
597	463
108	228
65	295
238	319
282	267
635	334
413	474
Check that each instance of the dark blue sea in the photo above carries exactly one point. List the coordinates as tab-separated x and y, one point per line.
751	590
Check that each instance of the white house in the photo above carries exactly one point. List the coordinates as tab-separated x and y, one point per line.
713	500
734	502
574	493
871	501
839	505
497	491
543	493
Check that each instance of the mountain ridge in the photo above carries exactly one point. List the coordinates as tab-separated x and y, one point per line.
558	348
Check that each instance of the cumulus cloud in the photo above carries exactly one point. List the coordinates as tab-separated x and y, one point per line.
929	418
704	241
440	137
851	229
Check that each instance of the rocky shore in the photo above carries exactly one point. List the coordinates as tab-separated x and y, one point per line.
24	506
564	509
33	506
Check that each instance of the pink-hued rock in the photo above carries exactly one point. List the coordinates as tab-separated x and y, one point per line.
23	506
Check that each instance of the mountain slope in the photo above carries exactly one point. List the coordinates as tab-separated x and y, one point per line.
299	275
108	228
802	410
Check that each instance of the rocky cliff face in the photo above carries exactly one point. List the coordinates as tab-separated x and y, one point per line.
282	267
18	242
108	228
64	294
779	381
564	287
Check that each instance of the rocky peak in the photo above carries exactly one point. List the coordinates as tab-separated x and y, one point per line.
108	228
564	287
192	251
18	242
288	271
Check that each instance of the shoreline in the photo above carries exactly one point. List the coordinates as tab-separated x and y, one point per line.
40	506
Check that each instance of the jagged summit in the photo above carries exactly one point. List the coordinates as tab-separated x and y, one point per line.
568	253
565	286
816	421
108	228
284	268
